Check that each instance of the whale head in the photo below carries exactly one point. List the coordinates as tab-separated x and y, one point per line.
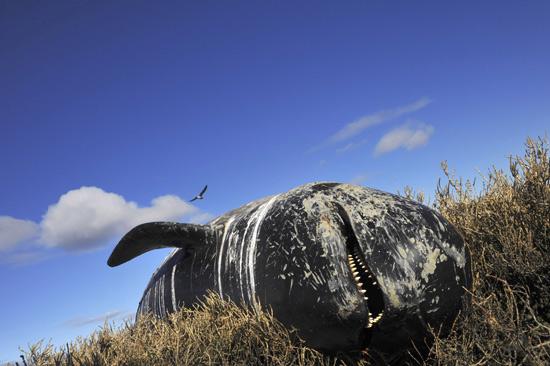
362	268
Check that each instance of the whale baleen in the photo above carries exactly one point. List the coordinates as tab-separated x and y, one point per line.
349	267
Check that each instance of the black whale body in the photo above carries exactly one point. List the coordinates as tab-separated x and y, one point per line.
350	267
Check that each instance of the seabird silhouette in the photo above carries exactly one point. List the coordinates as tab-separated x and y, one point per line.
200	196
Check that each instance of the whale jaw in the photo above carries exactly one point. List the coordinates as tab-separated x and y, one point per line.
364	279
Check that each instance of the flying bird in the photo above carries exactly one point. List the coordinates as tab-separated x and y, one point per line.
200	196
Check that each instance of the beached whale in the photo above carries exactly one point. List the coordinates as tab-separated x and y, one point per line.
349	267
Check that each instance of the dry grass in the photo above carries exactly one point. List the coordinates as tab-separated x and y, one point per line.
215	332
506	225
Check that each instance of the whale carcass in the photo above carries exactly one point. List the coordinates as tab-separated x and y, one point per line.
349	267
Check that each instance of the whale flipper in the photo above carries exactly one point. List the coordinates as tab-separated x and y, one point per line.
156	235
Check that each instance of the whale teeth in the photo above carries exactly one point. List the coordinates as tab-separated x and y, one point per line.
360	272
370	323
373	321
378	317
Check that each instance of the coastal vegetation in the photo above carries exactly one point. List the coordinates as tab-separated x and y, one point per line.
504	218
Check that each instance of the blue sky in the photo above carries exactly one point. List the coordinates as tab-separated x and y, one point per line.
117	112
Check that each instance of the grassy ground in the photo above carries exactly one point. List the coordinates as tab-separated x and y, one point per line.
505	222
214	333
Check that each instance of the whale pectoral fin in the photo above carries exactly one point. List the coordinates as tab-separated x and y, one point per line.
156	235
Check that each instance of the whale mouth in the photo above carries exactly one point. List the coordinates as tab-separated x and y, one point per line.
368	287
364	279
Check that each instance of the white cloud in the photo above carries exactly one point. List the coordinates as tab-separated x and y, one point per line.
26	256
404	136
359	179
351	146
201	218
87	217
14	231
99	319
354	128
